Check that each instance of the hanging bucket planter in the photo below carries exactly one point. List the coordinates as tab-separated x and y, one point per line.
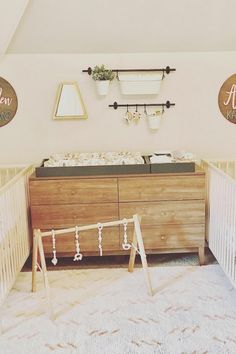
102	87
102	77
154	120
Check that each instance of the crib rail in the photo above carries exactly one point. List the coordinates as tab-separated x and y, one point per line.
14	228
7	173
229	167
221	215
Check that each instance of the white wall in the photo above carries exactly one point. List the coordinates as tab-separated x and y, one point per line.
194	124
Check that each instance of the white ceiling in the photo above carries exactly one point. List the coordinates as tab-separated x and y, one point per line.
110	26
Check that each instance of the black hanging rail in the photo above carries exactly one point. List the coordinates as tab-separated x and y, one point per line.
115	105
166	70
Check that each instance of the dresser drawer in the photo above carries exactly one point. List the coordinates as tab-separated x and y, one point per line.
73	191
64	216
174	212
170	236
161	188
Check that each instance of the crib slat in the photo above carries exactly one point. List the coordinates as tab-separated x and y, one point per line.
231	232
14	228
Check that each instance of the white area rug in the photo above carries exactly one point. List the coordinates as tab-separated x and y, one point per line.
108	311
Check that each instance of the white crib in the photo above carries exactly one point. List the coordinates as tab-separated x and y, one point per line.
14	227
221	213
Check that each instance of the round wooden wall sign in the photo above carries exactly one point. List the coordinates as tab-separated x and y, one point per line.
8	102
227	99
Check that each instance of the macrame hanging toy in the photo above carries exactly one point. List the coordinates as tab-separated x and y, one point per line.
128	116
78	256
54	259
126	246
100	227
136	116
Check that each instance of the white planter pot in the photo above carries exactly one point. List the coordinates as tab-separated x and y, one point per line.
102	87
140	83
154	121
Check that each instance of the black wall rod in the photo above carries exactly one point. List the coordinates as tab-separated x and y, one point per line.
115	105
167	70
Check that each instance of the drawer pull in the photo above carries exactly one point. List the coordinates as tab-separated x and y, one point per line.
163	237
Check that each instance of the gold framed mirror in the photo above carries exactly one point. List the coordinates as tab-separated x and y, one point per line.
69	103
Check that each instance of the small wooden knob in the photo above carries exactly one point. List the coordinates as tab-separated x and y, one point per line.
162	237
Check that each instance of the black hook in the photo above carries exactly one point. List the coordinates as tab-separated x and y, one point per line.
167	104
115	105
89	70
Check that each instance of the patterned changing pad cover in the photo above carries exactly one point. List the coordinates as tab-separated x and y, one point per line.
94	159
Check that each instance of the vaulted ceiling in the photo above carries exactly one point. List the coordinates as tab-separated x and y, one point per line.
110	26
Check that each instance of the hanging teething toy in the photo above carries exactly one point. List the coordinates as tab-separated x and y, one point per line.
78	256
126	246
100	227
128	116
54	259
136	115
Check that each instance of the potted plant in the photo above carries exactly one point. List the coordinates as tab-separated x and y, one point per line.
102	77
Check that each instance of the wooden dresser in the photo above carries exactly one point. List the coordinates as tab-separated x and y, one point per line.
172	207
